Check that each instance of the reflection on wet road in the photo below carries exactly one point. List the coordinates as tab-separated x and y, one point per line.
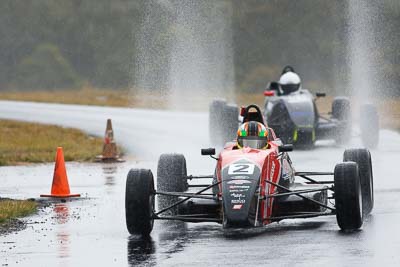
61	212
91	230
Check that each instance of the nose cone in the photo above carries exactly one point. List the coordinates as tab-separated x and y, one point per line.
240	181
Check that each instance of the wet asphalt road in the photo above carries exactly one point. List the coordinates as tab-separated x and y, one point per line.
91	230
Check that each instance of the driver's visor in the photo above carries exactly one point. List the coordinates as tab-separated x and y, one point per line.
253	142
290	88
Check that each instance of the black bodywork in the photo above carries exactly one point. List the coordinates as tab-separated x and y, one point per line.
296	120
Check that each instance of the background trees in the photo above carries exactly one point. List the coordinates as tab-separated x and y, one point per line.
49	44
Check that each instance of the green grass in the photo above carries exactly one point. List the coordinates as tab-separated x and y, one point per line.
84	96
12	209
22	142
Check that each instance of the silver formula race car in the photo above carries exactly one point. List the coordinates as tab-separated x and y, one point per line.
296	119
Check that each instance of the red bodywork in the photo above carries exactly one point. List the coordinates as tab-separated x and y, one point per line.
266	160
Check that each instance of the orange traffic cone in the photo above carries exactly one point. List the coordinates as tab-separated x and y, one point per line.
60	186
110	151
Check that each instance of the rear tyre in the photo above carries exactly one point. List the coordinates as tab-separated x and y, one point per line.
230	122
214	120
348	197
369	125
171	177
139	202
341	108
223	122
363	159
341	111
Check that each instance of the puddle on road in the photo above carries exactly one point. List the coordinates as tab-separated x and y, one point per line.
87	230
90	229
64	232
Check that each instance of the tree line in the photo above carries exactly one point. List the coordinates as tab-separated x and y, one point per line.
48	44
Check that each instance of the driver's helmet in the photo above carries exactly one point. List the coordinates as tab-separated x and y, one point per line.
252	134
289	82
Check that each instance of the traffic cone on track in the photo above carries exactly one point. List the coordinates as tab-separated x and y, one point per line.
60	186
110	150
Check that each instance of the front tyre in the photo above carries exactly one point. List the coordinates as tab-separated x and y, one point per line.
363	159
139	202
348	196
304	138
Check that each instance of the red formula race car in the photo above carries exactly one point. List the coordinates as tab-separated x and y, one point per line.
250	188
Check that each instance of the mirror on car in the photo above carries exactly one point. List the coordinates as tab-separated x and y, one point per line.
286	148
208	151
320	94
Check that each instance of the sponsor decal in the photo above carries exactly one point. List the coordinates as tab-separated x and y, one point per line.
286	176
241	168
239	182
238	201
239	186
238	190
239	177
235	195
237	206
272	170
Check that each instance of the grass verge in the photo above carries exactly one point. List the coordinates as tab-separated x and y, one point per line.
84	96
89	96
13	209
22	142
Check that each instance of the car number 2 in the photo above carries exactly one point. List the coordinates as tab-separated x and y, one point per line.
241	168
